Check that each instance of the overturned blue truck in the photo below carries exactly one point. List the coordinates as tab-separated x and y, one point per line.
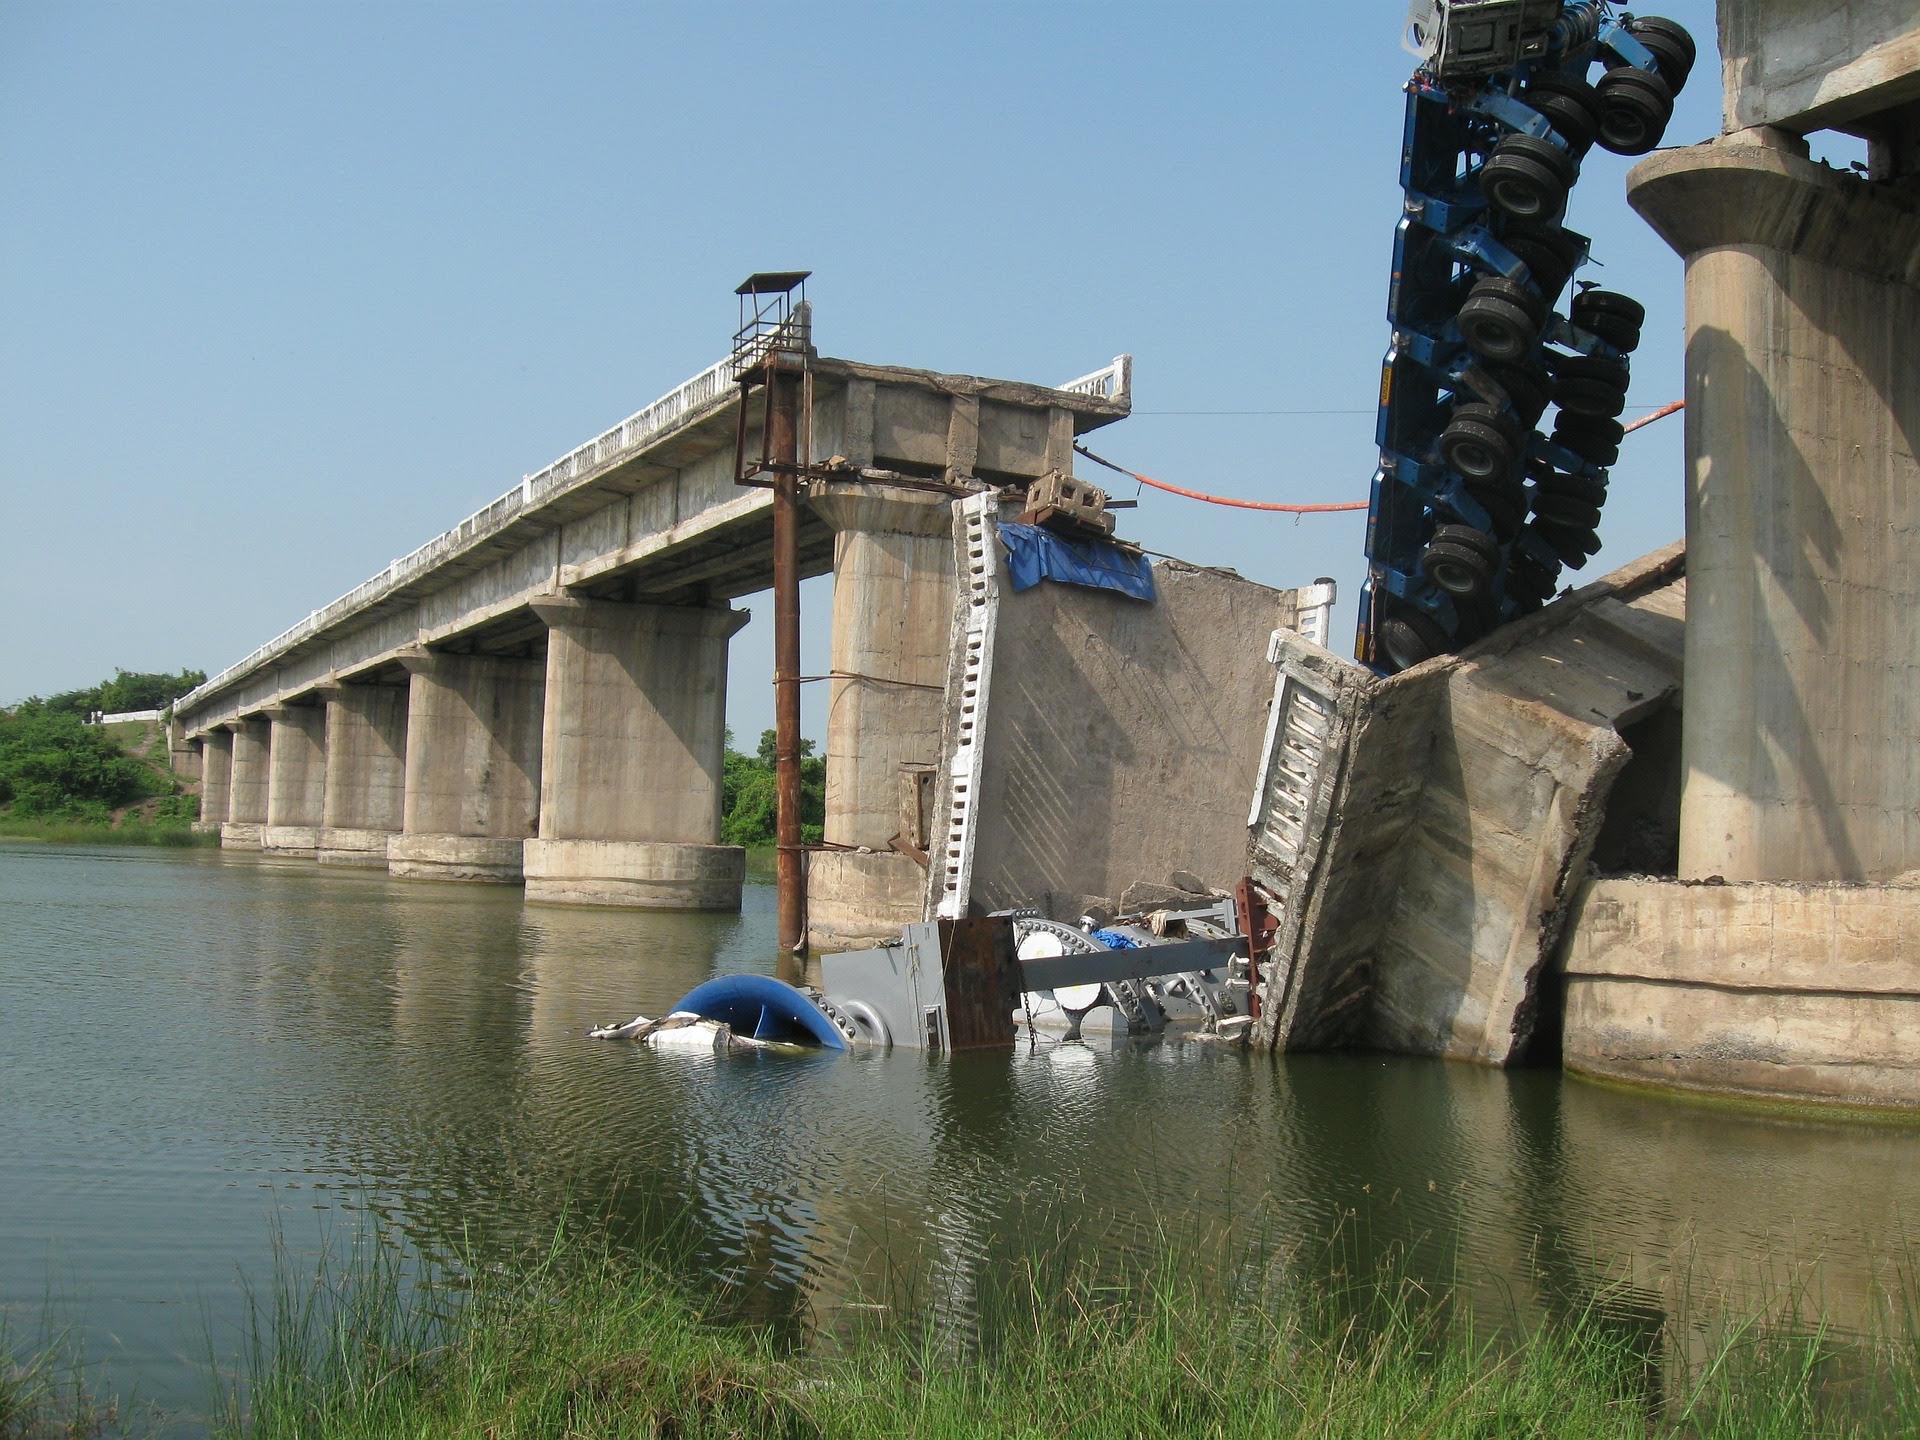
1476	507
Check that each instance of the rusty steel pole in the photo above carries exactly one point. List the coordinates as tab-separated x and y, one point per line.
783	454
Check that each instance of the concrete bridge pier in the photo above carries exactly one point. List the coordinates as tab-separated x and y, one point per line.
216	775
1801	732
473	766
632	757
296	779
365	801
247	784
892	616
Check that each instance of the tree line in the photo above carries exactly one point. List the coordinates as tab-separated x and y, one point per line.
54	766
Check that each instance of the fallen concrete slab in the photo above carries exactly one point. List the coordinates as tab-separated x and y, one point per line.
1094	740
1445	816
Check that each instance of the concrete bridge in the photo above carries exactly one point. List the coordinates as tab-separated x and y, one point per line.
539	694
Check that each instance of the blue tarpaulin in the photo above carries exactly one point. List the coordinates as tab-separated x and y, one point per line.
1034	555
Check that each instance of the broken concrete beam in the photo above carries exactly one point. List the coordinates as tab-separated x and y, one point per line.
1453	808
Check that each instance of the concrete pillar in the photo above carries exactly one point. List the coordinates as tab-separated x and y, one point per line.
216	775
365	801
1801	730
246	785
473	767
892	617
296	779
632	756
183	754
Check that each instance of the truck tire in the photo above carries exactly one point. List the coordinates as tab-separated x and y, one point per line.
1594	438
1505	504
1672	46
1528	178
1589	397
1637	105
1589	489
1565	510
1607	368
1500	320
1528	390
1567	103
1480	443
1549	254
1408	638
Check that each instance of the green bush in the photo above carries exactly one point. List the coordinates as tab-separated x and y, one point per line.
749	797
51	764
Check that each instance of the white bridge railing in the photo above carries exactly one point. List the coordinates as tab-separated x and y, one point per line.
708	390
1115	382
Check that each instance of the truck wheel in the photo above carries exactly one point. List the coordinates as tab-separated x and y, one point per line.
1589	397
1461	572
1528	178
1528	391
1479	443
1609	368
1549	256
1410	637
1568	103
1637	105
1564	510
1584	435
1673	48
1500	320
1505	504
1588	489
1574	546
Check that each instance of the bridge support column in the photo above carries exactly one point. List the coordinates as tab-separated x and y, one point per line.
365	802
892	614
1801	732
296	779
633	754
216	775
473	767
246	785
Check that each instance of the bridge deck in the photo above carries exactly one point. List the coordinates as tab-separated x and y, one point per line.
648	511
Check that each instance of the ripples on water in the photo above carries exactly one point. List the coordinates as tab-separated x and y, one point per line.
196	1047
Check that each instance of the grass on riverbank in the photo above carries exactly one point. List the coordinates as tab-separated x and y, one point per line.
132	830
42	1396
584	1342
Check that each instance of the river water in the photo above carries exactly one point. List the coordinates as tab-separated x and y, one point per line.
199	1051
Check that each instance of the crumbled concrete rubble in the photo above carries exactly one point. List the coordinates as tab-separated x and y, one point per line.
1426	833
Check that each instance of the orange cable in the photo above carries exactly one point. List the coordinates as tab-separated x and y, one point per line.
1221	499
1660	414
1285	509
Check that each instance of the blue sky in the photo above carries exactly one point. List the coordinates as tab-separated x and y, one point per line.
288	290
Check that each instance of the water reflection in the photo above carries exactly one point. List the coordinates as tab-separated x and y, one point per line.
193	1044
